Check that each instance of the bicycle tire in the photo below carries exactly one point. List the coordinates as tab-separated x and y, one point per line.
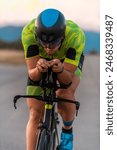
54	133
42	141
53	141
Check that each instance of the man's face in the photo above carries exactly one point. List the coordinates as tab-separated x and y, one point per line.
50	51
51	47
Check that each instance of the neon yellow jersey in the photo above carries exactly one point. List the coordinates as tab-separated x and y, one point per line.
69	51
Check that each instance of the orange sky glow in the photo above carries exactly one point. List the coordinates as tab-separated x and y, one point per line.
84	12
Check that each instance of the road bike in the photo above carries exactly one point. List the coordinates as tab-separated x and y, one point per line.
48	137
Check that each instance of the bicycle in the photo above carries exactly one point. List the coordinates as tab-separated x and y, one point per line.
48	138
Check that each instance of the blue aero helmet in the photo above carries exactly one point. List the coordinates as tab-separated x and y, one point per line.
50	26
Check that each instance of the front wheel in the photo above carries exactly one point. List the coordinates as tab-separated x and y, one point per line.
53	141
46	141
43	141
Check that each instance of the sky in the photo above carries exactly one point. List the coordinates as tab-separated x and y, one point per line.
84	12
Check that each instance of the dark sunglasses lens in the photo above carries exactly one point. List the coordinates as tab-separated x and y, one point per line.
43	43
52	44
56	42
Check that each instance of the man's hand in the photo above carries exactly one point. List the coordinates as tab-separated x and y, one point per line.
43	65
56	65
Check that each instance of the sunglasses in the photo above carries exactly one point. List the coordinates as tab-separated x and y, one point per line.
51	45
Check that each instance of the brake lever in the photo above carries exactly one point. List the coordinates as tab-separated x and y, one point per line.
77	107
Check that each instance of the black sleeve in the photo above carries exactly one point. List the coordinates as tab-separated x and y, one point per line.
32	50
71	53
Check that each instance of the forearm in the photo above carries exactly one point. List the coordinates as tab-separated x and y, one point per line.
35	74
65	77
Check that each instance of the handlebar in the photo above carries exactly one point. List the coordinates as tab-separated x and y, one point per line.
47	99
48	81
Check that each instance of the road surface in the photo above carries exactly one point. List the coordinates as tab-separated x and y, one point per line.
13	122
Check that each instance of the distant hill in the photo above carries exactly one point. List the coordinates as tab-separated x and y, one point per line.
10	33
10	36
92	42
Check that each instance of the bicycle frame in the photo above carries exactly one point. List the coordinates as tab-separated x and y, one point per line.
48	80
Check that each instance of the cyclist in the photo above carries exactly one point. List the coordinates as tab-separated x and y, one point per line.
51	41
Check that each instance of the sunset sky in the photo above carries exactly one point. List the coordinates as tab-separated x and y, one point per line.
85	12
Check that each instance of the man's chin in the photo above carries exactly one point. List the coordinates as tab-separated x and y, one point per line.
50	54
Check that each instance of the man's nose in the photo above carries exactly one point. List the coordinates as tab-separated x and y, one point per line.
47	46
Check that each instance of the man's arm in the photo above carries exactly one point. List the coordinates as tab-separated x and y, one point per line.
65	71
65	77
33	71
36	66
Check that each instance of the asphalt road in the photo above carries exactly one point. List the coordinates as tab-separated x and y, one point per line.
13	122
